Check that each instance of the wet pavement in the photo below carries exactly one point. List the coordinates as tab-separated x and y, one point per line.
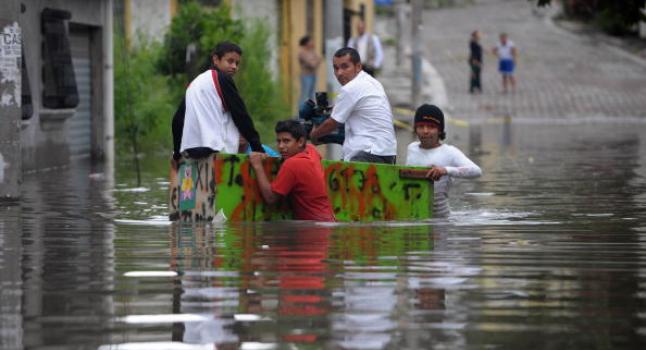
561	76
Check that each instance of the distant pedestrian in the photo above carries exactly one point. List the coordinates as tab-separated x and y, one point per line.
507	55
309	61
369	47
475	62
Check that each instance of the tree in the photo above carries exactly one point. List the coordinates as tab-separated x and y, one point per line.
614	17
141	98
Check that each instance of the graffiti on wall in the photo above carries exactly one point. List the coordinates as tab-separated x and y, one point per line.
10	63
226	183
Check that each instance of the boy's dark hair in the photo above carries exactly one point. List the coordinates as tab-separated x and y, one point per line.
304	40
354	54
224	47
293	127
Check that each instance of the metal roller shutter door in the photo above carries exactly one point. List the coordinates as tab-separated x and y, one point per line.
79	127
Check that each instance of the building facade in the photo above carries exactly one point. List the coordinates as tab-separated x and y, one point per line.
63	76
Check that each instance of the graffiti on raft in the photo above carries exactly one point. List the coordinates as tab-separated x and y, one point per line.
358	191
238	194
367	192
192	190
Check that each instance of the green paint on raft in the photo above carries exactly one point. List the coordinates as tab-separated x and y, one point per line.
358	191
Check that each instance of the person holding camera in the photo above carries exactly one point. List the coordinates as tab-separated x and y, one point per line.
301	177
363	106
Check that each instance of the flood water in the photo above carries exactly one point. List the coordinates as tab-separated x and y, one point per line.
546	250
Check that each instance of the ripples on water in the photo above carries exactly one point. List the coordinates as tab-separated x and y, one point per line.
546	250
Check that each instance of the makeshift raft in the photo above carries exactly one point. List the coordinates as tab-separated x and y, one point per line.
224	186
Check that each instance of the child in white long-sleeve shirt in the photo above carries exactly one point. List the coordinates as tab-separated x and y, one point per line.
446	161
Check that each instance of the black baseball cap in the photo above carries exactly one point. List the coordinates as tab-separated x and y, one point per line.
430	114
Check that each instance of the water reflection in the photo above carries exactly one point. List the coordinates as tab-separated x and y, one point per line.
65	252
545	250
246	277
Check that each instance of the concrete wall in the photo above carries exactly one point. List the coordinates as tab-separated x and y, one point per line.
268	11
148	20
10	97
43	137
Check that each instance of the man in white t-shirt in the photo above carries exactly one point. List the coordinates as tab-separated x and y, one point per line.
446	162
506	52
369	48
213	115
363	106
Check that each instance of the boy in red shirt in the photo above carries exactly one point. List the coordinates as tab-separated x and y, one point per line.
301	177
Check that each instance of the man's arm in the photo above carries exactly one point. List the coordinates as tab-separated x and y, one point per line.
352	43
239	113
325	128
263	182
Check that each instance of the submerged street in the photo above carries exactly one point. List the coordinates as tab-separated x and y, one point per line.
545	250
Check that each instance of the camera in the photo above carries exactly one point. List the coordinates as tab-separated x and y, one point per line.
313	113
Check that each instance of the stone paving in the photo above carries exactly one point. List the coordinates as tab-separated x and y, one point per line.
561	76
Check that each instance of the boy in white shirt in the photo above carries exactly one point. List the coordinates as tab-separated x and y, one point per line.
446	161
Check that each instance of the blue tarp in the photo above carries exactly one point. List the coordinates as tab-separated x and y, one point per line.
384	2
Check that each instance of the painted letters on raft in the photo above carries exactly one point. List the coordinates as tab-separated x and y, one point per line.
226	184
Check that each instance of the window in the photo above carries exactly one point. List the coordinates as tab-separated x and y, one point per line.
59	81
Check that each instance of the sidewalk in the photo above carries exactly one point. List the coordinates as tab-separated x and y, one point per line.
397	79
563	77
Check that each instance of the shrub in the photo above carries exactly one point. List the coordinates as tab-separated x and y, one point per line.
142	105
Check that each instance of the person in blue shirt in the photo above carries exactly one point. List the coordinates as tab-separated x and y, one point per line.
245	147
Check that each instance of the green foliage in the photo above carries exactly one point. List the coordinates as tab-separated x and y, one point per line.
142	106
261	93
612	16
197	30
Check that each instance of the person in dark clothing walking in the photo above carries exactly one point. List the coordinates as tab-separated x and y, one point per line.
475	62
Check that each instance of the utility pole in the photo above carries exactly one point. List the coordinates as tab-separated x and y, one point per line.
401	11
10	108
333	42
416	30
